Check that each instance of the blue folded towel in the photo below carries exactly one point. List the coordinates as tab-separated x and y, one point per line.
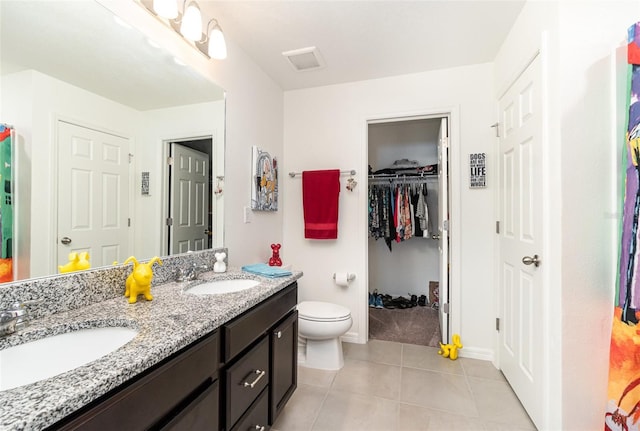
265	270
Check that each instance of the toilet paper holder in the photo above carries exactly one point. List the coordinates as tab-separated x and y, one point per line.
350	277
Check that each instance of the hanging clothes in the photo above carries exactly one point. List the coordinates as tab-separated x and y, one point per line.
398	212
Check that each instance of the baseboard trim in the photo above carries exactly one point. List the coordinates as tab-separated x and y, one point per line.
352	337
477	353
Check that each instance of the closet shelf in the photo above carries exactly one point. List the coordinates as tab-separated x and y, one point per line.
401	178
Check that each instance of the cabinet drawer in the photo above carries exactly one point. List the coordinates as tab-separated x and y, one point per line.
153	395
248	327
200	414
245	380
256	418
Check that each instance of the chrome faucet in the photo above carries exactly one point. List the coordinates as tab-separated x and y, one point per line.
7	323
16	317
190	273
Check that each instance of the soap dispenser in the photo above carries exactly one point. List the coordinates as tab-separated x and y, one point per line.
220	265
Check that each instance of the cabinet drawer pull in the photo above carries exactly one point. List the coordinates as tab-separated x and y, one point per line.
259	428
279	334
255	382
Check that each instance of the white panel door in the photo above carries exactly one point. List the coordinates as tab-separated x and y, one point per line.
443	227
93	194
189	199
521	290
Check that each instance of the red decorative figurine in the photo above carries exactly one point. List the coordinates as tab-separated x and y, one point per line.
275	257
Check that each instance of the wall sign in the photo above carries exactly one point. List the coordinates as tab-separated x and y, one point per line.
144	188
477	170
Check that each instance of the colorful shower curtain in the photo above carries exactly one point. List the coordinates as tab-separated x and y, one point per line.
623	409
6	206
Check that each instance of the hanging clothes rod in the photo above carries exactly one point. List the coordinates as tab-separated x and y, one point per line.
351	172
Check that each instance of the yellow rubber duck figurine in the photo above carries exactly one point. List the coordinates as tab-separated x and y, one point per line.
77	262
451	350
139	281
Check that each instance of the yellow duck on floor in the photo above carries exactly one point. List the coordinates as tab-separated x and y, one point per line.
451	350
139	281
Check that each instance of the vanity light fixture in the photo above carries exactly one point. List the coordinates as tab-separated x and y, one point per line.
217	46
166	8
189	25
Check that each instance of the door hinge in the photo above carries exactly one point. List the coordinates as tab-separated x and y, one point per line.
445	308
130	157
129	222
445	225
498	324
445	142
497	126
170	161
169	221
497	227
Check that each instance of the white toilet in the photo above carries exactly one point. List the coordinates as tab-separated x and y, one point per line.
320	326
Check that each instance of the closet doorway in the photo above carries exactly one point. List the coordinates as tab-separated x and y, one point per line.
408	233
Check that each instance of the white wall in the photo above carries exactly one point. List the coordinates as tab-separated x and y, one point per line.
161	125
254	116
585	114
326	128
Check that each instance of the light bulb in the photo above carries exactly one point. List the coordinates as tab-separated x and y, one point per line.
217	46
166	8
191	27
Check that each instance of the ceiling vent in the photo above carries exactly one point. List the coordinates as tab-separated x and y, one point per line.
304	59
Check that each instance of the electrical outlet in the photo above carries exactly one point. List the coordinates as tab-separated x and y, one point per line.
247	214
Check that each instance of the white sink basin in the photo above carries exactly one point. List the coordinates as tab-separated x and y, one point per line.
222	286
57	354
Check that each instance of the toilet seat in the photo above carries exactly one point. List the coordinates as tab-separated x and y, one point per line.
318	311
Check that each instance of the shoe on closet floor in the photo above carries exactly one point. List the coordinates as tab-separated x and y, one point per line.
372	300
422	301
379	303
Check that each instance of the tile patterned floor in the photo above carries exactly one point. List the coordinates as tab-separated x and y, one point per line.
391	386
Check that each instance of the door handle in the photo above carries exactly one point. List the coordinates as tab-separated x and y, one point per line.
65	240
435	236
528	260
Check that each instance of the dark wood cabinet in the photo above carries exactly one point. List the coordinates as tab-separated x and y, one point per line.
255	418
156	396
200	414
237	377
245	380
265	336
284	364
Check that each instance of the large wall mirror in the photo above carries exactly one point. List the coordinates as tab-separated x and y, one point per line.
118	147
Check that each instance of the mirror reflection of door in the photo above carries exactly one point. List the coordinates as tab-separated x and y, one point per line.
93	194
190	210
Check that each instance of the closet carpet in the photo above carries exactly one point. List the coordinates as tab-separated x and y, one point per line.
416	325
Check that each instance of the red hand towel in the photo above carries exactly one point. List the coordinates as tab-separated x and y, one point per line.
320	192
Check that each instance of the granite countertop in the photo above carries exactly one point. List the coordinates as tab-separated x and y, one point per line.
173	320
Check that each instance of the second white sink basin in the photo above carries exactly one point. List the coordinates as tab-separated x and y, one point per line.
48	357
216	287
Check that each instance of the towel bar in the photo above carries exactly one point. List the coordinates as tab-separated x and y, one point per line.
351	172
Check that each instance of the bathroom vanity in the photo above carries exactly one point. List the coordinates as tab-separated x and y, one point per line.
226	362
238	377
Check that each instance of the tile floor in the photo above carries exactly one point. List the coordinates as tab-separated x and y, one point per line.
392	386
